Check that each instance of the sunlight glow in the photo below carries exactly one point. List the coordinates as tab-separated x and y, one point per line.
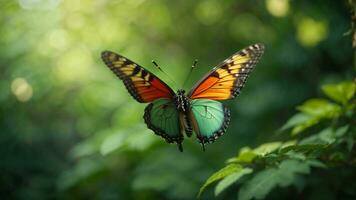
209	12
58	39
39	4
75	20
74	65
21	89
243	25
310	32
278	8
71	6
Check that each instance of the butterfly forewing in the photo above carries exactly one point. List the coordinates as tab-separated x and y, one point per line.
141	84
226	80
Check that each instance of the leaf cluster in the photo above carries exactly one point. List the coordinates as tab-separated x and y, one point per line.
321	136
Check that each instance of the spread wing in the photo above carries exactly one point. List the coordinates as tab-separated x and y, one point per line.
162	117
209	119
141	84
226	80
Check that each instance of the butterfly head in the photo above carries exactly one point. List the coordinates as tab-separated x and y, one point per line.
180	92
181	101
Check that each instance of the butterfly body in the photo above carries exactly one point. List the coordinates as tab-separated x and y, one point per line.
183	105
171	115
182	101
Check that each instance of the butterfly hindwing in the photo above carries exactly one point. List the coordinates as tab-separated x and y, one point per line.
209	119
141	84
226	80
162	117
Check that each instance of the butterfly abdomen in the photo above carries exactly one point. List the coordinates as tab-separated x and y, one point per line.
185	124
182	103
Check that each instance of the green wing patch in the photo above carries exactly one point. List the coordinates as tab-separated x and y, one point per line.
209	119
162	117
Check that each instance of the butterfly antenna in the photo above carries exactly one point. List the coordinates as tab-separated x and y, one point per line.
190	72
203	146
160	69
180	147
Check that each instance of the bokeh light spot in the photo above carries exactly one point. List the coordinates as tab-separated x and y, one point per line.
310	32
110	31
58	39
278	8
243	25
74	5
75	20
38	4
74	65
208	12
160	17
21	89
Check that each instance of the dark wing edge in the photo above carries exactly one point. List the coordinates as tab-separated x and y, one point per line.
158	131
256	51
221	131
110	57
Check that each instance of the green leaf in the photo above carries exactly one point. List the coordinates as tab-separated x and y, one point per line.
134	138
303	126
341	131
264	181
312	139
113	142
222	173
320	108
229	180
91	145
327	136
316	163
303	148
246	155
315	109
296	155
289	143
297	119
341	92
267	148
82	170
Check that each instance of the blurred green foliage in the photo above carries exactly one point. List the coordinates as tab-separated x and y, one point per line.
325	140
70	130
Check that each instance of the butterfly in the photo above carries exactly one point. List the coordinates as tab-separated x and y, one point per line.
171	114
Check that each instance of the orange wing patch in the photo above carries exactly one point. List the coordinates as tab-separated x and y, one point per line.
141	84
227	79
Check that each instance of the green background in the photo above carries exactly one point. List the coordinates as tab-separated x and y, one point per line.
70	130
